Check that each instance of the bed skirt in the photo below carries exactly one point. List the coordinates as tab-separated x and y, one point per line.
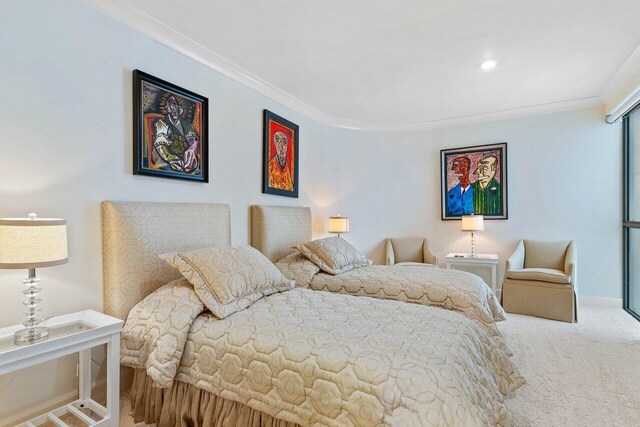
186	405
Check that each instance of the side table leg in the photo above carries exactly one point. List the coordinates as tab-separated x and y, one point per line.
494	279
113	380
84	371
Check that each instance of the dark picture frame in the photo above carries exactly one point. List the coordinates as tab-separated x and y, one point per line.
170	130
280	148
474	181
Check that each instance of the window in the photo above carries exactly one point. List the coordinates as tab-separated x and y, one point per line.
631	212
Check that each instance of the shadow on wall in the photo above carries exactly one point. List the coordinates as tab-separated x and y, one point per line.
377	254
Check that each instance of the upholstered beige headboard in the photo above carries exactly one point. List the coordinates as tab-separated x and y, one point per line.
135	233
275	229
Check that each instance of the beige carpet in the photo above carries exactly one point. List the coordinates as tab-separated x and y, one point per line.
584	374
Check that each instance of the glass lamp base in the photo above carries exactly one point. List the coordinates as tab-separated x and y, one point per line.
30	335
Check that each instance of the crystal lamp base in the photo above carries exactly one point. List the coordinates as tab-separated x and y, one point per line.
32	332
30	335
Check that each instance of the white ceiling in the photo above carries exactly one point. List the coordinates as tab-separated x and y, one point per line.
367	63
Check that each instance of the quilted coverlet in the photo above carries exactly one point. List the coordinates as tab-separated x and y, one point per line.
324	359
450	289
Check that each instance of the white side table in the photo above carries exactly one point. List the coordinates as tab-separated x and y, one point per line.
458	261
72	333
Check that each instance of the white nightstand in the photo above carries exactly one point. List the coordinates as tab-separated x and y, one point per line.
462	261
72	333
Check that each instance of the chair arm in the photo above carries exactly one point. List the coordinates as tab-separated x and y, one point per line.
390	256
570	261
428	256
516	261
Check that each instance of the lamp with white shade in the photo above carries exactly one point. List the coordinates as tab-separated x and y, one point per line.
338	225
30	243
472	223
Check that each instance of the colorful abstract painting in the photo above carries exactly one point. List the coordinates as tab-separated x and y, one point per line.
170	130
280	156
474	181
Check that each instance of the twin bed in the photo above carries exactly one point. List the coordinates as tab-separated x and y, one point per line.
276	231
298	357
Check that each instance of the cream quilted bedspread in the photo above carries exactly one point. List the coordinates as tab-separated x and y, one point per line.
318	358
450	289
156	329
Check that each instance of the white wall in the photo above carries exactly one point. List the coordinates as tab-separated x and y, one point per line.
564	183
65	116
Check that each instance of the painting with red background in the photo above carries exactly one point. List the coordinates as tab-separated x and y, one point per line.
275	127
474	157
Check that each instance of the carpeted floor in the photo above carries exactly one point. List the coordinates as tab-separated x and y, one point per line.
584	374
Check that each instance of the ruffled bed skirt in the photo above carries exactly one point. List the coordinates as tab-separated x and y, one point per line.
186	405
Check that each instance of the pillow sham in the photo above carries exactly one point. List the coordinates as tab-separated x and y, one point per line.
333	255
298	268
229	279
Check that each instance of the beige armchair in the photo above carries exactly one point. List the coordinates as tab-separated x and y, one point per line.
410	251
540	280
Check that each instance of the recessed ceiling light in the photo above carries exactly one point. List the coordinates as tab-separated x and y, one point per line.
489	64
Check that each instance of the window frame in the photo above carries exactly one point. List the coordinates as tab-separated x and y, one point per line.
627	224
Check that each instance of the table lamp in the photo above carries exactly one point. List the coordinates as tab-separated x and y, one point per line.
472	223
338	224
30	243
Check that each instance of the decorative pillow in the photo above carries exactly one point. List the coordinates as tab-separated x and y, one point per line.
333	255
229	279
297	267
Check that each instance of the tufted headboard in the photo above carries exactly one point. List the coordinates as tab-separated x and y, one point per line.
135	233
275	229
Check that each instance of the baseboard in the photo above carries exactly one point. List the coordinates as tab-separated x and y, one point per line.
98	393
41	408
601	301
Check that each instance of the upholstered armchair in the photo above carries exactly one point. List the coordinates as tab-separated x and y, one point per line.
410	251
540	280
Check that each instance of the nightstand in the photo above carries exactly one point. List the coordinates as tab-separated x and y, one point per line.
72	333
466	262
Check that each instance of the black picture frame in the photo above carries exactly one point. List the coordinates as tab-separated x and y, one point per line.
273	123
145	150
498	150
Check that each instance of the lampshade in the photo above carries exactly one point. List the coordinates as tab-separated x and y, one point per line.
32	242
472	223
338	224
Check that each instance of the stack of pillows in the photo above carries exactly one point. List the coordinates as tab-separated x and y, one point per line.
230	279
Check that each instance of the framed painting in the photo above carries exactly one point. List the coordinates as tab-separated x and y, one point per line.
474	181
170	130
280	156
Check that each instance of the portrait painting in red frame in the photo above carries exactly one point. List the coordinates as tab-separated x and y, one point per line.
280	156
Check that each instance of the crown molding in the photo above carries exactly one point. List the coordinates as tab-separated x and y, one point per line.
611	91
622	91
138	21
512	113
